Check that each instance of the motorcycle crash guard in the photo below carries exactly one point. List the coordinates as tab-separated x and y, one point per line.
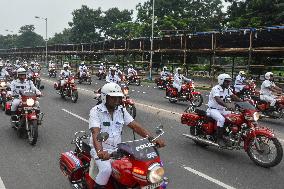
260	131
71	166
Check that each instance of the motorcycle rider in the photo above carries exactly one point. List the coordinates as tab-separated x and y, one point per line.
101	68
3	71
267	89
217	104
178	80
131	72
110	116
21	85
65	73
240	82
118	71
82	69
113	77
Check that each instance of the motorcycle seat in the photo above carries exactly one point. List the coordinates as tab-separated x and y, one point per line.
200	112
86	147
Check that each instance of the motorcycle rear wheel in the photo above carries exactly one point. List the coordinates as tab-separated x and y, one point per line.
195	132
33	134
138	82
265	149
74	96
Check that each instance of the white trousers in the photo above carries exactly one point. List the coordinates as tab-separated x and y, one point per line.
16	102
81	73
104	169
177	86
218	115
62	82
269	98
239	88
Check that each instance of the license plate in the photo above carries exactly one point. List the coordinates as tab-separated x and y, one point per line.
152	186
28	108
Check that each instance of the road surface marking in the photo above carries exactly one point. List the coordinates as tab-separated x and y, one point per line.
209	178
2	186
75	115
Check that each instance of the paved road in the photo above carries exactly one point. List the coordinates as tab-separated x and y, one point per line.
187	165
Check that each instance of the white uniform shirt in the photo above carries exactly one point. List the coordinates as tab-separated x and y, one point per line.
164	73
101	68
100	118
51	65
178	79
239	80
264	87
112	79
131	71
17	86
220	92
65	74
82	68
4	72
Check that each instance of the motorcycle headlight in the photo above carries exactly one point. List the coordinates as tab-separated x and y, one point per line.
30	102
256	116
3	84
156	173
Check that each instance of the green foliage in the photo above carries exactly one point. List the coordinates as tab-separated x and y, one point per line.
28	38
61	38
255	13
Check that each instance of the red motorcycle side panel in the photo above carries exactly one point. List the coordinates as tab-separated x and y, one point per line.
190	119
32	116
209	128
236	119
8	105
68	165
122	171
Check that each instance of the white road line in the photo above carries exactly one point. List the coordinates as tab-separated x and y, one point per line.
75	115
209	178
2	186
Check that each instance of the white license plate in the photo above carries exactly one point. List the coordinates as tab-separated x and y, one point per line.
152	186
28	108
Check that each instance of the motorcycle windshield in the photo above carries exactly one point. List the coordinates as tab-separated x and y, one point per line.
245	105
142	150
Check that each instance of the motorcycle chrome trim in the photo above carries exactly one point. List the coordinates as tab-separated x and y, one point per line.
201	140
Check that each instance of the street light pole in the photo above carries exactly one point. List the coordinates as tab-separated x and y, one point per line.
152	40
45	36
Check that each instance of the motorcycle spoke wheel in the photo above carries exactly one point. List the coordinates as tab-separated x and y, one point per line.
33	134
195	132
74	96
269	154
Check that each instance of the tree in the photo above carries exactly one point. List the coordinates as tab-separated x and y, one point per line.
111	22
188	15
8	41
255	13
61	38
86	25
28	38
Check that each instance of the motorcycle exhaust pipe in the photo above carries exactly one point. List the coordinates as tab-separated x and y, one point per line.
201	140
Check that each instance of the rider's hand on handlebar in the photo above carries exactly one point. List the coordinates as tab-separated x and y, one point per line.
103	155
159	143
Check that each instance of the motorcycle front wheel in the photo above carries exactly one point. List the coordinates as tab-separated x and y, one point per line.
74	96
138	82
33	134
197	100
269	154
131	109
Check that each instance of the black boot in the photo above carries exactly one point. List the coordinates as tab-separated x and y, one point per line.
97	186
220	137
13	116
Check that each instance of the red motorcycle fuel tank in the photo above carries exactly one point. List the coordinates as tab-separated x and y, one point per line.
190	119
236	119
69	165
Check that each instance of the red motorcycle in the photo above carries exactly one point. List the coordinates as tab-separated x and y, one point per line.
249	92
134	79
36	79
188	93
3	92
69	89
52	72
28	117
242	131
264	107
135	164
86	77
163	84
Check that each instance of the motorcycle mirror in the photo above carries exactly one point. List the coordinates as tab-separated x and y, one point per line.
102	137
159	129
41	87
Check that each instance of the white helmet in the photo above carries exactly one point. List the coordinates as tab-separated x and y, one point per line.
21	71
65	66
110	89
242	73
177	69
117	65
82	63
1	64
223	77
112	68
165	68
102	64
268	75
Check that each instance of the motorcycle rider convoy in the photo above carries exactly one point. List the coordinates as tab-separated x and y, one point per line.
101	163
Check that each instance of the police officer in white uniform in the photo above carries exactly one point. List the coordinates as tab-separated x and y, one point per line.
65	73
240	82
102	68
21	85
131	72
267	89
178	80
217	103
113	77
110	116
118	71
3	71
82	69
